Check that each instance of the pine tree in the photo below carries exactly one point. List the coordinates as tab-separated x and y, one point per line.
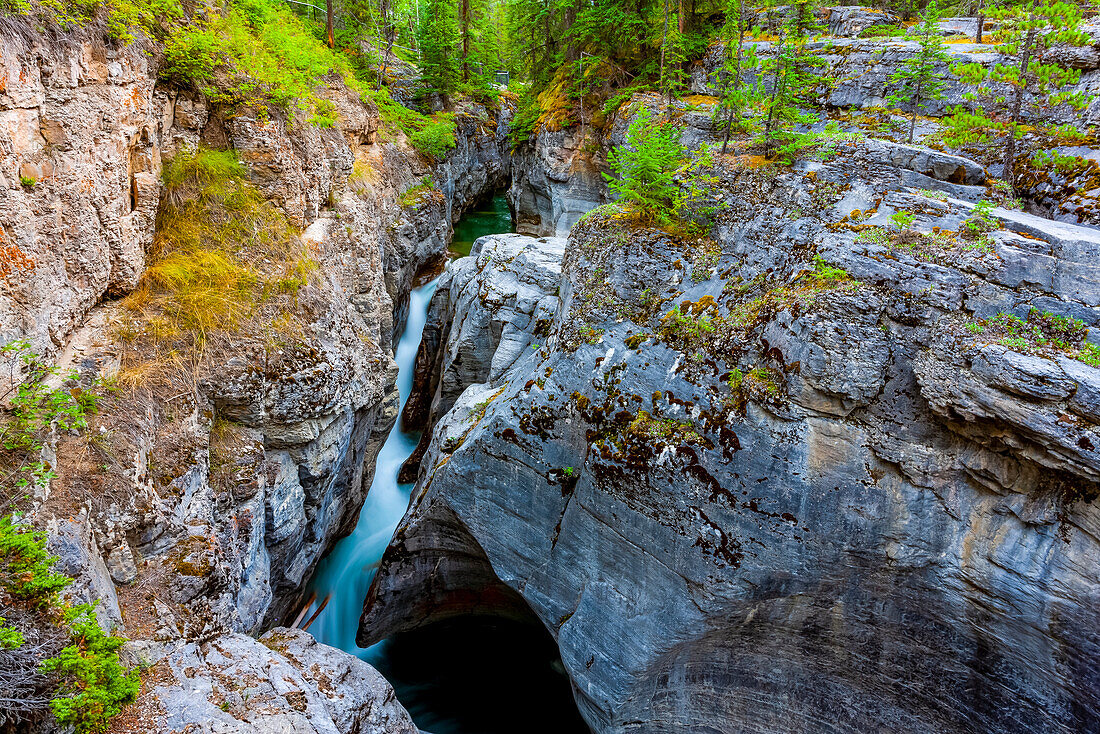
645	167
789	71
438	41
1026	31
736	95
920	79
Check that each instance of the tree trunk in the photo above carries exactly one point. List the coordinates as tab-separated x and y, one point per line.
664	42
916	106
464	10
980	28
1009	173
328	24
390	32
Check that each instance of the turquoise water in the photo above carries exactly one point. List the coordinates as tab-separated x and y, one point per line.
467	676
344	575
489	217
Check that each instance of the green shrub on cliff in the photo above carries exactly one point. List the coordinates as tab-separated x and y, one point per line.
84	682
256	53
645	167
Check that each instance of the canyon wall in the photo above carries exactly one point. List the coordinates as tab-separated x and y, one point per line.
784	480
197	515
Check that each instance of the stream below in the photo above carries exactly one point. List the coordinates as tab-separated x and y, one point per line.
464	676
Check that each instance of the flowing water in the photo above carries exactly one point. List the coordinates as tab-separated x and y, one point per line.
469	676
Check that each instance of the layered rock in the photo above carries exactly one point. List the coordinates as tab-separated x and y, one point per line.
283	682
750	491
555	179
199	512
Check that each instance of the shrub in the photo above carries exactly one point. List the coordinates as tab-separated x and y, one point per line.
436	137
88	686
903	220
1042	333
94	685
645	168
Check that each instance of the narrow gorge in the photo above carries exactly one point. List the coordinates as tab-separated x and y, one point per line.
610	367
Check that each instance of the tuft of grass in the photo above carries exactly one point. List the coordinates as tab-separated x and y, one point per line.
222	256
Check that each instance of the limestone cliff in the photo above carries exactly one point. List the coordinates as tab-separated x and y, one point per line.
810	474
198	508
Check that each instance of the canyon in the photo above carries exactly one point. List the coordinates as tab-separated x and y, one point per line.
778	478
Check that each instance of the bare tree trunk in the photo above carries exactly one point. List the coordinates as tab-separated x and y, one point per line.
664	42
328	24
389	32
980	28
916	106
1009	173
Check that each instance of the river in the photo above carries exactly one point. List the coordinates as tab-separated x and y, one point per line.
467	676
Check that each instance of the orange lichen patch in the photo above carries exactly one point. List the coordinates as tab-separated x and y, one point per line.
699	99
751	162
13	259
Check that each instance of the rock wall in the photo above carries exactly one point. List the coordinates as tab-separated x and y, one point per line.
748	491
214	505
555	179
79	181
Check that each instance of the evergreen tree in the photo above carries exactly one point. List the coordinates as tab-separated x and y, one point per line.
736	95
438	44
788	69
1026	31
645	168
920	79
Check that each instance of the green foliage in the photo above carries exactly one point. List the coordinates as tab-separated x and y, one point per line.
324	114
26	568
94	686
1042	333
36	407
789	70
412	196
124	18
256	53
1026	32
28	181
736	96
438	37
526	118
645	168
921	78
903	220
436	136
882	30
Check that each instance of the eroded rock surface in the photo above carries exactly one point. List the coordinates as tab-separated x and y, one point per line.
751	491
284	682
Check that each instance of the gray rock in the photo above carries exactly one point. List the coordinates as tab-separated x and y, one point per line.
875	527
284	682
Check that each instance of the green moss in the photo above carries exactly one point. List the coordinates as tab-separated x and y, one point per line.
1042	333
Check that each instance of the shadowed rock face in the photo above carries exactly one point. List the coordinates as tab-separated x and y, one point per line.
810	503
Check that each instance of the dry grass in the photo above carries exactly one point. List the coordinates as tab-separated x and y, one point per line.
226	266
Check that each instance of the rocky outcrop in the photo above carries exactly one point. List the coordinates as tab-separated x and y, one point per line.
507	292
555	179
283	682
201	511
79	181
752	491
